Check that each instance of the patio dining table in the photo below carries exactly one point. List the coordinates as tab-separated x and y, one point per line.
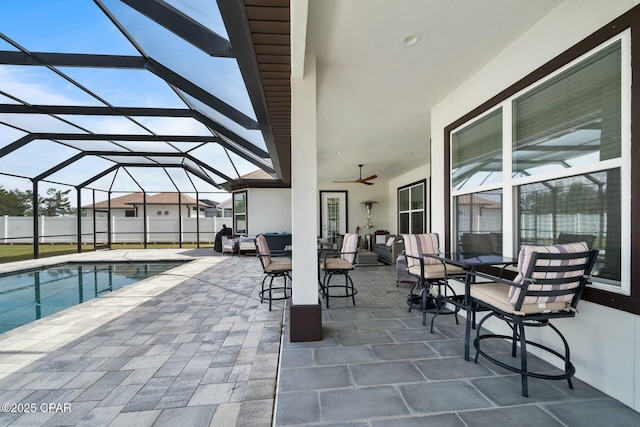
470	261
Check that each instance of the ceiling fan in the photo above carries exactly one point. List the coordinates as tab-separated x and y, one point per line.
362	180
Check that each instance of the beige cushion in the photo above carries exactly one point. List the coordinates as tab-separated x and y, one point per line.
435	271
336	264
495	294
278	265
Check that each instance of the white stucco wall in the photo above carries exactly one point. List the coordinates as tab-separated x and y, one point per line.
605	343
152	211
269	210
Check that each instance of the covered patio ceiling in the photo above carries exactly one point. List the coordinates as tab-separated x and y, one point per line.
161	95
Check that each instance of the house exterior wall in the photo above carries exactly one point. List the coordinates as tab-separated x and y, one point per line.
269	210
605	342
173	211
120	213
152	210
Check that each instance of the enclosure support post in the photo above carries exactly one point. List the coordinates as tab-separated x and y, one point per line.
79	218
197	221
109	227
95	242
180	219
36	214
144	216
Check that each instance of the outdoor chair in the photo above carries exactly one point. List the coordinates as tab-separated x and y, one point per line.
246	244
481	243
273	266
549	285
340	263
228	245
431	291
563	238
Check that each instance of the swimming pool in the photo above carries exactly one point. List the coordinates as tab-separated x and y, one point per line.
30	295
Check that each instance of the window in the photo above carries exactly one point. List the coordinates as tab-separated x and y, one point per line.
166	212
479	213
240	212
476	152
578	205
552	161
129	213
159	213
476	177
411	211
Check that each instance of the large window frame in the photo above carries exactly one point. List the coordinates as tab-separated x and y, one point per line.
240	214
627	296
411	211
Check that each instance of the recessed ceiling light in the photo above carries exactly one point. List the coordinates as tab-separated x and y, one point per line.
411	39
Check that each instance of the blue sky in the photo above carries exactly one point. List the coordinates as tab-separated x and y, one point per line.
79	26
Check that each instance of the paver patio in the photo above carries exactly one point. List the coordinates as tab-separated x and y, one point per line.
195	347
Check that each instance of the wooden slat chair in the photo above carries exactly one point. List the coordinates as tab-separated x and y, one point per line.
339	263
273	266
431	290
549	285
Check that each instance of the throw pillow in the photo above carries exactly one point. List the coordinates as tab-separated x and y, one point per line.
391	240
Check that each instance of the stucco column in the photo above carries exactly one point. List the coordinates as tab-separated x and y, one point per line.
305	315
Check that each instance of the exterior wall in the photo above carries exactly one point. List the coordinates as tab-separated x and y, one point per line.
120	213
226	209
269	210
605	343
152	210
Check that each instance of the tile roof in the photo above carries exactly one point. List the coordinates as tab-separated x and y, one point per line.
128	200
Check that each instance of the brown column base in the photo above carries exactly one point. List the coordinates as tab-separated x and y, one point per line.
305	323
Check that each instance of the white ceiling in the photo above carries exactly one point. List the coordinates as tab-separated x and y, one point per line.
375	93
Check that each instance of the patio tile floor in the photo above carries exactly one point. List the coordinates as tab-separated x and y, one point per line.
195	347
377	365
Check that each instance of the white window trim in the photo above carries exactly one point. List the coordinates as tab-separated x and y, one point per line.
509	184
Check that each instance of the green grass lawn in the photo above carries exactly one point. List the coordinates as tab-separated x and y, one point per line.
9	253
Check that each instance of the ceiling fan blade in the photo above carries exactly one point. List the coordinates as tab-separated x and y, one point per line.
369	178
361	180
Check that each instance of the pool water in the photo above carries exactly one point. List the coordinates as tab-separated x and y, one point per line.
31	295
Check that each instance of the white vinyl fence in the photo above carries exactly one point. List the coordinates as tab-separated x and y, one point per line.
123	230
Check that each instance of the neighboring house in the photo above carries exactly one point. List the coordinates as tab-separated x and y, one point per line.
225	209
211	209
157	205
